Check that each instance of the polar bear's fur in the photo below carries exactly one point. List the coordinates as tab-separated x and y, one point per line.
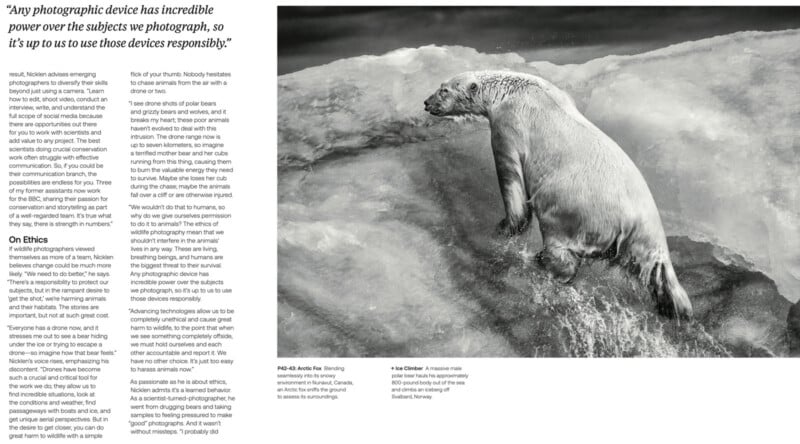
589	198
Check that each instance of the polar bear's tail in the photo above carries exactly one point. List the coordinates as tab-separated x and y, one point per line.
671	298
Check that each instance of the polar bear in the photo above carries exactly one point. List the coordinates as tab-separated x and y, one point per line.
588	196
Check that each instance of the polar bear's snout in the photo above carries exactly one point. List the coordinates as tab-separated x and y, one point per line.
438	106
431	105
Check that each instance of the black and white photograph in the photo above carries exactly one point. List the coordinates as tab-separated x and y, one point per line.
538	181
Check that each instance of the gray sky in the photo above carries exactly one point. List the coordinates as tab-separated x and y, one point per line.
310	36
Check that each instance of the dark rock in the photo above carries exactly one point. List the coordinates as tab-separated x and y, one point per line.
793	321
739	307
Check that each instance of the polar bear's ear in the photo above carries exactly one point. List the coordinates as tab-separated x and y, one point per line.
473	88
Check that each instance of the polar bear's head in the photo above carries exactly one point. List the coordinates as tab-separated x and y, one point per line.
458	96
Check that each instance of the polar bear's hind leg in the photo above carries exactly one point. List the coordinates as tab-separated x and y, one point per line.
558	260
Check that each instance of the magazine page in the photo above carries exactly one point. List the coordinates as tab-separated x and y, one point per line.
135	170
475	201
255	223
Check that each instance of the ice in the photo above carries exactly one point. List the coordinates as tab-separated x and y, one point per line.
386	215
714	126
352	104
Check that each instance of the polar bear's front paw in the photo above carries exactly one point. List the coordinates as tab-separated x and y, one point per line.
502	228
507	229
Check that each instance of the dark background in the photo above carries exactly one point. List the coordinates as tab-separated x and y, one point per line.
310	36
